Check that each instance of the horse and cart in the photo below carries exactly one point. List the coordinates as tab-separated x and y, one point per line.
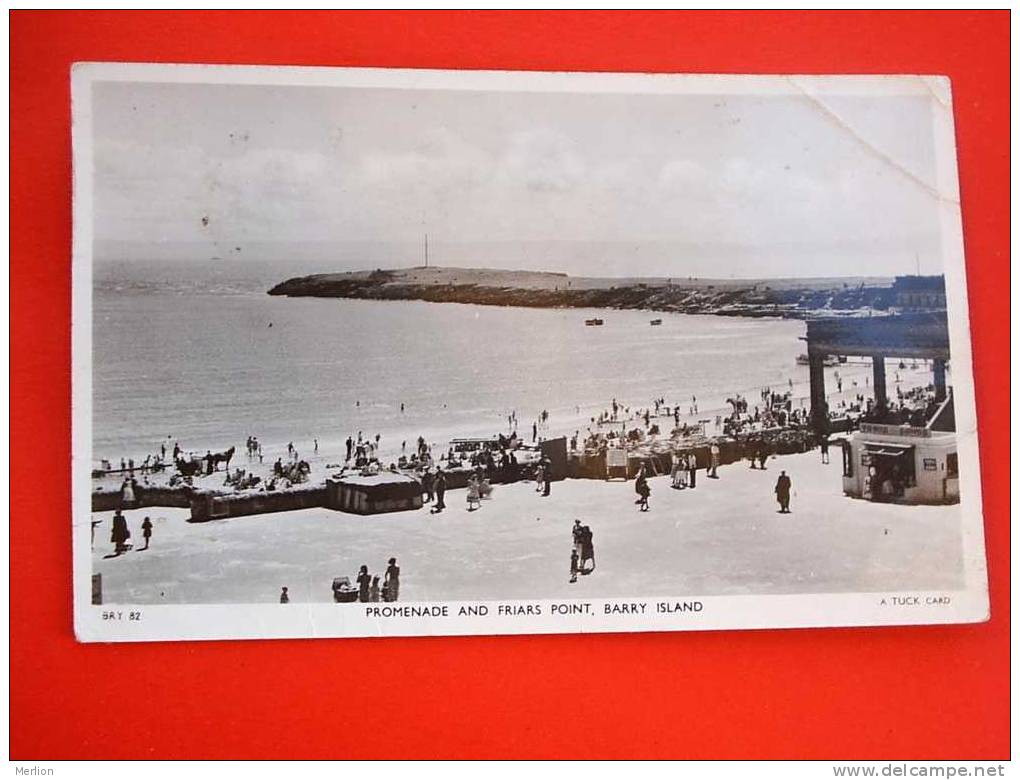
195	465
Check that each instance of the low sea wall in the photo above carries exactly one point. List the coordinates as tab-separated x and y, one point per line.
145	495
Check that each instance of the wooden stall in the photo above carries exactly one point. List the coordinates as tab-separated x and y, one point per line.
374	493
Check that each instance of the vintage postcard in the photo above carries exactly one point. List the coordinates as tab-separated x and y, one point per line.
368	352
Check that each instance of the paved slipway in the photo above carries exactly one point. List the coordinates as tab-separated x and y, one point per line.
724	537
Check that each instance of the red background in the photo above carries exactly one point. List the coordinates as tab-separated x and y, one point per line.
929	692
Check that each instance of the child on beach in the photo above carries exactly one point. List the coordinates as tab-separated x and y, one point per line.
373	589
474	501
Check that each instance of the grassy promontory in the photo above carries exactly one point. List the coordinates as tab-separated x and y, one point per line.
790	298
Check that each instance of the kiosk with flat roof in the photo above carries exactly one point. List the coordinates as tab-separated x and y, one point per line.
911	464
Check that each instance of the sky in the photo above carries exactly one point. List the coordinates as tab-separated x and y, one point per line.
618	184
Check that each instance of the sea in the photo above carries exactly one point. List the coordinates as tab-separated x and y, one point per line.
199	353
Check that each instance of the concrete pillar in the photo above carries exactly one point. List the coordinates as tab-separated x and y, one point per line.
878	378
819	408
940	379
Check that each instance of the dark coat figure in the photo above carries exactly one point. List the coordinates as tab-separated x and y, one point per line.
577	534
440	488
427	481
284	596
574	568
587	551
692	470
783	492
763	455
146	532
120	534
824	444
643	491
546	476
364	584
391	583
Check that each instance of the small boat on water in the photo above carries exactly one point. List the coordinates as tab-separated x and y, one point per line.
595	321
655	322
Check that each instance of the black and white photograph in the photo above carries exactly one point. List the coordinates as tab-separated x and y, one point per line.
369	352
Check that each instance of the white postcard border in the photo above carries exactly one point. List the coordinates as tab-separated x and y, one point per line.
123	622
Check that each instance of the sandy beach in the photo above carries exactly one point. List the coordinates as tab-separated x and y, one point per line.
563	421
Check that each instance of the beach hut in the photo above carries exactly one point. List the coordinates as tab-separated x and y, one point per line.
616	463
373	494
555	452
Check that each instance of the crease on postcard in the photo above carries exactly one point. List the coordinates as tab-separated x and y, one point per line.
879	154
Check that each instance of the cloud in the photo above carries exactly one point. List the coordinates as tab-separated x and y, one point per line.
541	161
441	160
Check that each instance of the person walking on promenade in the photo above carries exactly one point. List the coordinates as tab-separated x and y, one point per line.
120	533
427	481
643	491
824	444
692	470
391	581
678	474
577	533
440	488
373	589
763	454
146	531
539	476
284	596
573	564
364	584
546	476
783	485
713	461
587	551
